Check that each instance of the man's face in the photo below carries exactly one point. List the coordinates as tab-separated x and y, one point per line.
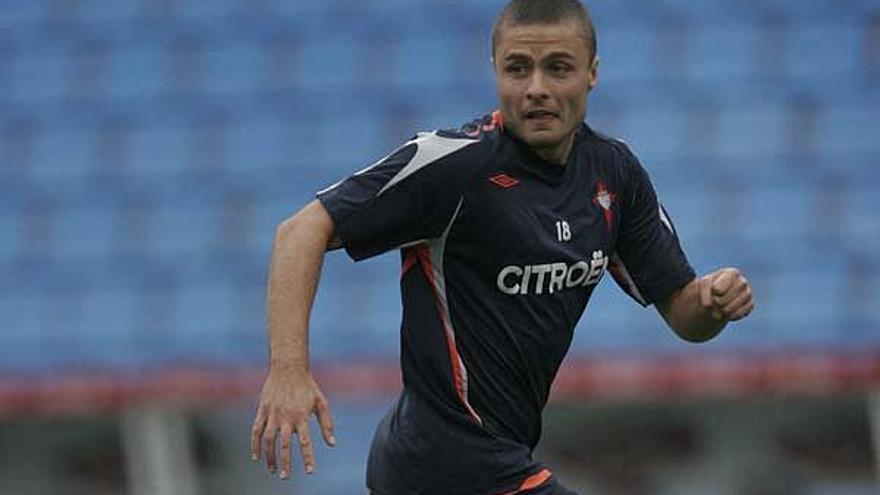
544	73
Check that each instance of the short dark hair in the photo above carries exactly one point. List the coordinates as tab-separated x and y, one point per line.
545	12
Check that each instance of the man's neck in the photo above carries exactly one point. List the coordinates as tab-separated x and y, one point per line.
557	154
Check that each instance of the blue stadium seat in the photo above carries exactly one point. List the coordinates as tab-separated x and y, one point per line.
610	323
40	75
804	305
656	133
10	229
232	68
22	315
260	145
303	10
725	55
424	61
780	214
333	63
753	129
22	14
159	150
86	232
63	155
827	51
136	71
104	12
395	17
357	311
204	315
856	167
104	336
486	10
851	128
814	11
452	114
629	54
693	210
707	12
861	223
758	170
194	11
182	229
364	138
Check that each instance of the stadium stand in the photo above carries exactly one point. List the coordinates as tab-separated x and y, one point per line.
149	149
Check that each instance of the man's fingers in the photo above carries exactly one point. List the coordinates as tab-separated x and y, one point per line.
322	411
743	311
734	292
269	445
285	434
257	432
706	293
706	298
736	303
306	447
723	281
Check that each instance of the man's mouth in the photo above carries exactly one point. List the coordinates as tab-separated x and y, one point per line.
540	115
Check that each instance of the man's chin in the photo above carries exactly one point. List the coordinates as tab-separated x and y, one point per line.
542	139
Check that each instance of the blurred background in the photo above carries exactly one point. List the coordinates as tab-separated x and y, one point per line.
148	149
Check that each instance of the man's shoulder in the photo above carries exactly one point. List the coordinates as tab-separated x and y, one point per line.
606	144
486	127
614	156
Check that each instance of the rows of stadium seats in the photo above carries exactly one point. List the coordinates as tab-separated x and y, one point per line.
770	139
171	223
90	13
149	149
52	66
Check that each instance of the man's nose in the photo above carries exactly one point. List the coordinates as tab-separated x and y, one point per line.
537	90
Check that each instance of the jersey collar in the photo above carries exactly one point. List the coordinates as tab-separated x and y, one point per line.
541	168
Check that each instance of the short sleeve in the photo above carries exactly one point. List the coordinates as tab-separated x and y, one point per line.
648	262
406	197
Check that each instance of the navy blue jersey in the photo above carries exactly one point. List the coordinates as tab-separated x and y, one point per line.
501	251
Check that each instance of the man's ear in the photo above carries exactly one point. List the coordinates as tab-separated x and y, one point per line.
594	73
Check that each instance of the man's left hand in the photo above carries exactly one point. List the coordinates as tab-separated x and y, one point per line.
726	294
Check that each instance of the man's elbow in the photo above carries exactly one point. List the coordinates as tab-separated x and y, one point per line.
697	335
695	329
312	222
684	317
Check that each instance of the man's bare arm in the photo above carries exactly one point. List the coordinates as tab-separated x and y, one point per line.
701	309
290	394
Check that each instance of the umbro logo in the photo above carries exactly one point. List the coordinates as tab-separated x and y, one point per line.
503	180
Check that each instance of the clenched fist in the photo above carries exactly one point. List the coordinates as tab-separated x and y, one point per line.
726	294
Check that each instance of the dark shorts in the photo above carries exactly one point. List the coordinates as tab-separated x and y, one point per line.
552	487
417	451
545	486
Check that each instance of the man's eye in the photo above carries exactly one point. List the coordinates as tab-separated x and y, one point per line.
516	69
560	68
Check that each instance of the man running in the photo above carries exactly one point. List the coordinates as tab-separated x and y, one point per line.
505	227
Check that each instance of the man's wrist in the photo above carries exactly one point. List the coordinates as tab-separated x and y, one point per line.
288	365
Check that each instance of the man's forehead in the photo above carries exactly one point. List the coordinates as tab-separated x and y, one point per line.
563	37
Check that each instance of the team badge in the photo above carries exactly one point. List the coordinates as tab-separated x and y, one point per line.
605	200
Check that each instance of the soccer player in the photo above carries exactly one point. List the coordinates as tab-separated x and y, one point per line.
505	227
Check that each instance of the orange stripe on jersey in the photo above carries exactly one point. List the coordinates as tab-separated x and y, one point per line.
410	258
533	481
424	257
498	119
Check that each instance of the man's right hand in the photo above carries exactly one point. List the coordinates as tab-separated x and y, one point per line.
286	402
